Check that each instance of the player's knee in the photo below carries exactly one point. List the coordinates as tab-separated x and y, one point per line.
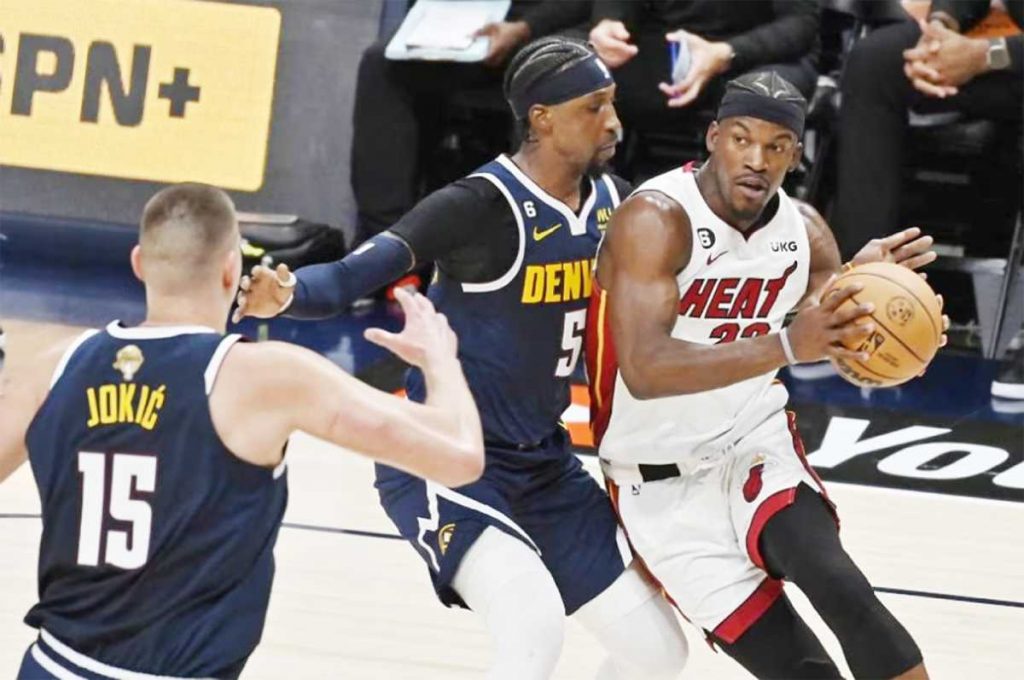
879	646
638	628
836	583
506	583
527	624
874	643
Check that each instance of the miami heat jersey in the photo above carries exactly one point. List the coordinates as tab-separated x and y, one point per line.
735	286
157	545
521	335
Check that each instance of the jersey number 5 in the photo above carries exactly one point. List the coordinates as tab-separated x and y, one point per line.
572	342
131	477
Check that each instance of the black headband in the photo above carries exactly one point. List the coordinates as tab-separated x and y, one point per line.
579	79
789	114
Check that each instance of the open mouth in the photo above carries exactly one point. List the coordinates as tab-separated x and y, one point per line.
752	187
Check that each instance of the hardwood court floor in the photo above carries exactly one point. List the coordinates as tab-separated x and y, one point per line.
352	602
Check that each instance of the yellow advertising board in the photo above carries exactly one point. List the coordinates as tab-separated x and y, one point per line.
160	90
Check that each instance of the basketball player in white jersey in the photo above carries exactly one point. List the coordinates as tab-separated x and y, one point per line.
696	275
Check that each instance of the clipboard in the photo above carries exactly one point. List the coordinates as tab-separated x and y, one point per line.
440	30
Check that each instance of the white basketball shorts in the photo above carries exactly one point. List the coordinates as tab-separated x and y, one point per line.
698	533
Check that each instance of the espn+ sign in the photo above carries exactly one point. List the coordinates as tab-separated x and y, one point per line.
159	90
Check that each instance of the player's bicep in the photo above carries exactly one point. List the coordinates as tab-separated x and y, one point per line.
648	245
446	220
825	259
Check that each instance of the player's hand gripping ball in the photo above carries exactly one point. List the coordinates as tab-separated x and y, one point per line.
908	325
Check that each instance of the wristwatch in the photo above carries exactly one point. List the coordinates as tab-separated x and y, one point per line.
998	57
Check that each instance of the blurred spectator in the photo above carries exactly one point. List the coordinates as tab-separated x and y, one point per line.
928	67
723	39
397	107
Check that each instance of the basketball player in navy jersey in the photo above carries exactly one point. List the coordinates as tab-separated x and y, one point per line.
514	243
159	455
697	274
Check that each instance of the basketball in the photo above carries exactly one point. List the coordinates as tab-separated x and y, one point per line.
908	325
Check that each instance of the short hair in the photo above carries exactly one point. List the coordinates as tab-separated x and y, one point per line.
188	225
537	60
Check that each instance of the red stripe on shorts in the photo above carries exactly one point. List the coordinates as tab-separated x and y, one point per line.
737	623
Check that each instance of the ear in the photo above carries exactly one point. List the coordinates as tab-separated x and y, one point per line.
231	269
798	153
540	118
136	259
711	137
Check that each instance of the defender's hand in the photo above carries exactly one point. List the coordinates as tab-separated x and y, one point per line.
264	293
426	341
907	248
821	330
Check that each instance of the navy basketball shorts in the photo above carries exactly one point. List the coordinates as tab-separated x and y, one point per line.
50	659
542	496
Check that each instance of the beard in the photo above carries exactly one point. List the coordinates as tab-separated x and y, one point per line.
597	167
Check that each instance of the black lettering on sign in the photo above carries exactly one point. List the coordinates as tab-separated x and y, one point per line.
27	78
179	92
103	67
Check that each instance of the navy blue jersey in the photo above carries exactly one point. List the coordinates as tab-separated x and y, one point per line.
157	546
521	335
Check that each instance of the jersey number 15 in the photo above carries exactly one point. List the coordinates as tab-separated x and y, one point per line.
131	478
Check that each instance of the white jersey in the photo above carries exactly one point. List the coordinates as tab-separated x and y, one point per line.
735	286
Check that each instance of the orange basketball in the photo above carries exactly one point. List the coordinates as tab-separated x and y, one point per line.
908	325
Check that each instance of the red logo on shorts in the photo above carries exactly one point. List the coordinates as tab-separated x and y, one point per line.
753	485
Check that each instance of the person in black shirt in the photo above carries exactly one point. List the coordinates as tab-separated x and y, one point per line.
724	40
396	106
536	538
896	68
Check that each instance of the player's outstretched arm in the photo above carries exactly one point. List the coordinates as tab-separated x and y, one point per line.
647	244
908	248
321	291
23	388
267	391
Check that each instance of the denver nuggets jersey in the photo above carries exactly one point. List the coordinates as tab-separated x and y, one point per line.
521	335
735	286
157	545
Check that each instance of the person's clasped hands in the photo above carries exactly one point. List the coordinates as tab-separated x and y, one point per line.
943	60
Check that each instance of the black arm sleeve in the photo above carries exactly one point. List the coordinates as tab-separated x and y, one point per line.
466	228
791	35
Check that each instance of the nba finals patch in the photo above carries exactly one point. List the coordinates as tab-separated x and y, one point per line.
128	361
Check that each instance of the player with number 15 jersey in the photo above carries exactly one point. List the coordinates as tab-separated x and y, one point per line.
158	451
